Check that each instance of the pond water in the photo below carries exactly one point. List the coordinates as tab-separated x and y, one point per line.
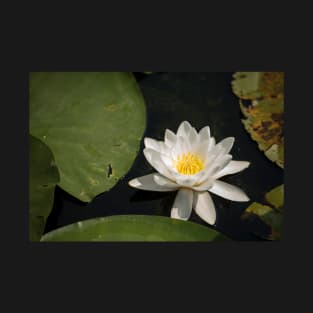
202	99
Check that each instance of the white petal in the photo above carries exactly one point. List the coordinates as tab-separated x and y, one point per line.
220	163
169	138
204	133
164	149
182	205
228	191
193	137
217	163
188	180
154	158
180	147
152	144
168	161
202	149
184	144
213	152
185	180
204	207
147	183
205	186
232	168
184	129
226	144
211	145
156	145
215	156
164	182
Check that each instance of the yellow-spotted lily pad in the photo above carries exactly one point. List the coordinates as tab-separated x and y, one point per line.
264	116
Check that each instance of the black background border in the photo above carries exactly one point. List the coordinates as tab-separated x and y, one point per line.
56	275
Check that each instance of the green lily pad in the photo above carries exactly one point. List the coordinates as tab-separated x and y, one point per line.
43	176
134	228
36	226
92	121
276	197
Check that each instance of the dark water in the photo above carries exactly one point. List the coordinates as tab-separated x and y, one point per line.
202	99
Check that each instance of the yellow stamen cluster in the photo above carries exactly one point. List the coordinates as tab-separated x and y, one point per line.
189	164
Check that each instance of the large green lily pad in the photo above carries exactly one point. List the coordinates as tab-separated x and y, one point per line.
43	176
133	228
93	122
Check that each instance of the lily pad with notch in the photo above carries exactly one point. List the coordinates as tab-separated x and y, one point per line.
92	121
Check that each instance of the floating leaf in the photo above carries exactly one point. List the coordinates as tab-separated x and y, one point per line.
246	85
134	228
264	116
36	226
276	197
43	176
272	85
271	216
92	122
265	124
255	85
258	209
273	154
281	154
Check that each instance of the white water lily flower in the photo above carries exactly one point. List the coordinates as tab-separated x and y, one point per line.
191	163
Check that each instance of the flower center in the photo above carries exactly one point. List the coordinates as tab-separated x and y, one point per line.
188	164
